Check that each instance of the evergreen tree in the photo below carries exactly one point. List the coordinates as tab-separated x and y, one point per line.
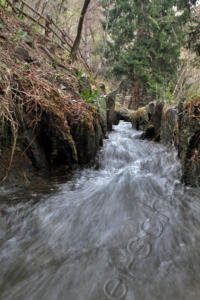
145	41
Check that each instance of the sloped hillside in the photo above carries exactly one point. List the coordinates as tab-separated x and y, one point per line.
44	122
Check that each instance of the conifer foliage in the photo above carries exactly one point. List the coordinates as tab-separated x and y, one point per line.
145	42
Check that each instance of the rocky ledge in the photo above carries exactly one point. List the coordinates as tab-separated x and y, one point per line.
174	125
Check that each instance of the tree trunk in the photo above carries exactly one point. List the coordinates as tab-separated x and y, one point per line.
135	99
87	38
79	31
104	41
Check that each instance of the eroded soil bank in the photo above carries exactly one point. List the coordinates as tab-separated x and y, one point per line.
45	124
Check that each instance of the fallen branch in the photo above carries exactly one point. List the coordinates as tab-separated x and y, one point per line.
11	5
33	10
52	58
64	41
31	18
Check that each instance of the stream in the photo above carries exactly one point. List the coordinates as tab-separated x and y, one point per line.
125	228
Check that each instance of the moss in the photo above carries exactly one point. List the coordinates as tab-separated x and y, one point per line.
192	101
139	118
167	107
189	140
141	113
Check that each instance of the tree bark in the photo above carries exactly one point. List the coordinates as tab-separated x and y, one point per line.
79	31
137	94
87	38
105	40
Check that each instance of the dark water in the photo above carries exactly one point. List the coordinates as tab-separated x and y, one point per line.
127	230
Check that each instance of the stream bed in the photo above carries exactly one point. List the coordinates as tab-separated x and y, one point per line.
125	228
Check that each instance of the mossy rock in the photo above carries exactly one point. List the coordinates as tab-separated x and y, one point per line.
139	118
189	141
168	124
102	110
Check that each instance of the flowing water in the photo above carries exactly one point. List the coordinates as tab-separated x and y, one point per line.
127	229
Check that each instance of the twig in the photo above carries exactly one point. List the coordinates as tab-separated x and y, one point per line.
32	19
64	41
33	10
52	58
11	5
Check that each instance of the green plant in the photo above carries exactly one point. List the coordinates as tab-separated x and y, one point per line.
60	74
26	65
53	64
17	61
19	35
80	75
145	40
3	3
3	66
168	95
88	97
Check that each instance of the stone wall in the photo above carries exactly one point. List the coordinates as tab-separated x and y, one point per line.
178	126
